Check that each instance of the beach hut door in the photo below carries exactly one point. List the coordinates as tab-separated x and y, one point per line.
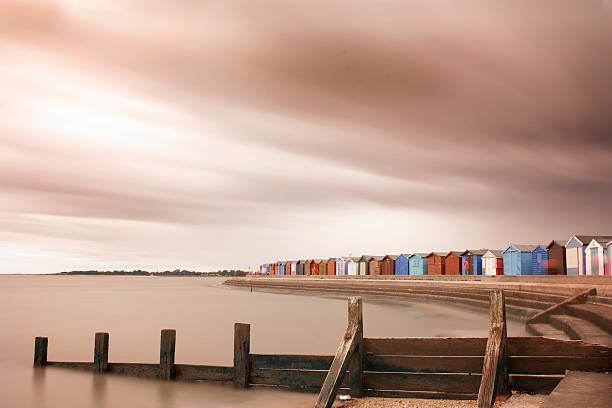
594	261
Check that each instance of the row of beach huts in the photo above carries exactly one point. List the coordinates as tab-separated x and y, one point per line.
579	255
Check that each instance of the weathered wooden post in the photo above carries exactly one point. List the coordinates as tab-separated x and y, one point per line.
353	338
166	354
355	316
100	353
242	348
495	380
40	351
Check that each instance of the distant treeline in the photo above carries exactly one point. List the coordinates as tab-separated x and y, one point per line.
176	272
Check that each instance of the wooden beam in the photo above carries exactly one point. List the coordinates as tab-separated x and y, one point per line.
543	316
343	356
426	346
40	351
495	369
100	353
242	346
166	354
356	379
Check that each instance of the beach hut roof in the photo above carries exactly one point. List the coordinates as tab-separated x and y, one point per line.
603	241
443	254
378	258
394	257
523	248
302	261
559	242
458	253
477	252
354	258
419	254
586	239
498	253
365	258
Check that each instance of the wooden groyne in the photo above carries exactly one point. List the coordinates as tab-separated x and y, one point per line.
483	368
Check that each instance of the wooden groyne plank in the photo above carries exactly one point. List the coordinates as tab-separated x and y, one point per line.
581	389
424	364
291	361
350	343
495	369
426	346
166	354
40	351
242	347
543	316
100	360
450	383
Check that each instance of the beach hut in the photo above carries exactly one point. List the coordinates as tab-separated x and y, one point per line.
299	269
402	264
352	266
387	266
294	267
595	258
471	261
493	262
308	267
341	266
418	264
575	251
525	260
288	268
282	267
375	263
608	259
323	267
557	264
452	263
364	265
331	266
314	267
273	269
435	263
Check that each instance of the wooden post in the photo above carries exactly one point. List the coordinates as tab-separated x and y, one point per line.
166	354
242	348
40	351
347	348
100	353
495	370
355	316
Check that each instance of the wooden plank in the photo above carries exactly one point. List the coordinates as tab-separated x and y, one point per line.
341	360
141	370
166	354
424	364
75	365
242	347
537	384
544	346
543	316
295	379
419	395
495	372
558	364
289	361
426	346
40	351
581	389
100	359
460	383
189	372
356	379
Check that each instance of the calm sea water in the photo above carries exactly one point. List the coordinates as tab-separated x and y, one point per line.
70	309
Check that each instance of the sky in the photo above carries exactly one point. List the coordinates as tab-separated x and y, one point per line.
205	135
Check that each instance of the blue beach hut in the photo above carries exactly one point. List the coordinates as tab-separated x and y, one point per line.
525	260
417	264
402	264
471	261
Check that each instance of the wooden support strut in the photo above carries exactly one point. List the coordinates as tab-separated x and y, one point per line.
495	371
100	362
242	349
543	316
166	354
40	351
351	343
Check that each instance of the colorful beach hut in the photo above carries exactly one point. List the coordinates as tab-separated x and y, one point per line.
402	264
471	261
364	265
341	265
273	269
595	258
375	263
525	260
288	268
435	263
308	267
299	269
493	262
323	267
331	266
314	266
418	264
352	266
609	257
575	251
452	263
557	263
388	265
